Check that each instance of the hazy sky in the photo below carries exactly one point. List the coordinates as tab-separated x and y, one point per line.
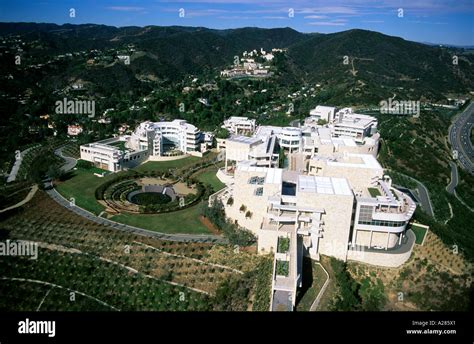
449	21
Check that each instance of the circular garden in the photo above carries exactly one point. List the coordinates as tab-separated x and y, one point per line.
134	192
149	198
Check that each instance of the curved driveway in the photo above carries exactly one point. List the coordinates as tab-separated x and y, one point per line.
69	164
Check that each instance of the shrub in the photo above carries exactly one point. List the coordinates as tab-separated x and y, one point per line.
235	234
86	165
282	268
348	298
283	245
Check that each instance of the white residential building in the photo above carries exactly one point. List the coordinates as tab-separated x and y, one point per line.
74	130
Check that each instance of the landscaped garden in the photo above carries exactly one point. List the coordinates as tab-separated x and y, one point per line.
125	195
181	221
150	198
420	233
81	186
209	177
164	166
374	192
283	245
282	267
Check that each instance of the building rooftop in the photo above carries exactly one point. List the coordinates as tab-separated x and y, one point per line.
324	185
245	139
273	175
352	160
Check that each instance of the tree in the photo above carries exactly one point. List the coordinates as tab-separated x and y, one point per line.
222	133
348	297
235	234
281	158
372	295
54	172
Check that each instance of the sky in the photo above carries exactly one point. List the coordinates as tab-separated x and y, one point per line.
433	21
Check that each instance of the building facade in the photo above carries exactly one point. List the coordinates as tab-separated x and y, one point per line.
149	141
330	197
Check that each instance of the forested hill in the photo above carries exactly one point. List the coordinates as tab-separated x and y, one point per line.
376	64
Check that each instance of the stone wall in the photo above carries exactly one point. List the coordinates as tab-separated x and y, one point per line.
387	258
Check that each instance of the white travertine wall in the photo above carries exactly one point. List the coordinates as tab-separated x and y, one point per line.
383	258
336	218
358	178
224	177
267	241
378	238
237	151
244	194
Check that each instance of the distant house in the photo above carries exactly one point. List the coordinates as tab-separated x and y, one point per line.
74	130
123	128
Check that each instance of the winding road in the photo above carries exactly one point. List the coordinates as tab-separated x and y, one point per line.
454	178
423	195
460	138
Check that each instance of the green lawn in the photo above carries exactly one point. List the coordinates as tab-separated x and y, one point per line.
420	233
183	221
374	192
83	184
82	187
313	280
209	177
163	166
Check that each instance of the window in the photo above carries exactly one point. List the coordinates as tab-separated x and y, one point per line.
382	223
259	192
365	213
253	180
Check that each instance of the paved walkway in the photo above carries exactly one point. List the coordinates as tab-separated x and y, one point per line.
17	164
69	164
454	178
25	200
316	302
